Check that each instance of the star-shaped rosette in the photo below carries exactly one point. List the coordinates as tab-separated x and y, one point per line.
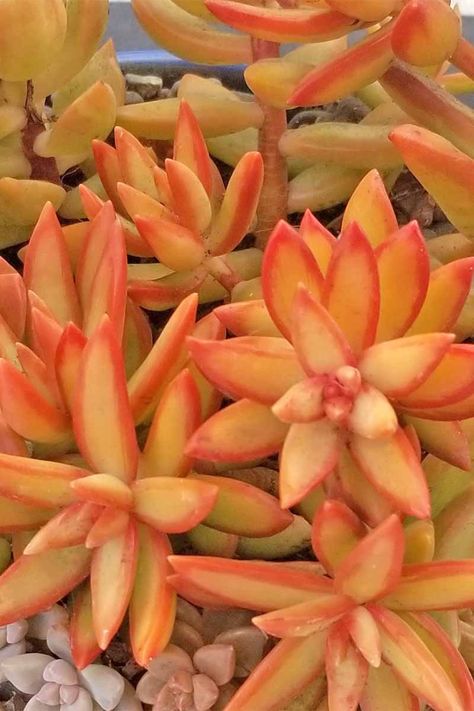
366	626
107	511
363	364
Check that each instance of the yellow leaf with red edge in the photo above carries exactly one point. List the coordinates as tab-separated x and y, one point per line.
287	261
27	411
402	259
110	524
55	573
165	359
91	115
283	673
168	291
177	416
437	585
13	302
382	684
463	57
370	206
426	104
445	440
426	32
135	163
320	241
108	168
153	602
15	516
353	270
444	171
104	490
210	398
282	25
365	10
393	468
346	670
174	245
92	251
189	147
243	509
67	362
172	505
84	647
103	422
112	576
244	431
247	318
252	585
238	207
137	340
414	663
189	198
137	202
47	269
335	533
68	528
374	565
364	633
353	69
190	37
400	366
259	368
306	618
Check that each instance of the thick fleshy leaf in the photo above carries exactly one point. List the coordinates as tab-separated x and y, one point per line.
38	482
247	318
244	509
163	362
153	602
37	373
336	531
372	414
353	270
190	148
309	454
244	431
55	573
364	633
446	172
136	163
47	270
115	561
392	467
282	25
84	647
440	585
452	380
353	69
252	585
103	421
68	528
383	684
448	290
319	341
13	300
282	674
287	262
346	670
373	567
320	241
68	360
190	37
305	618
110	524
174	245
260	368
27	411
416	38
402	259
168	291
108	168
238	207
446	440
419	541
399	366
414	663
190	201
210	398
303	402
172	505
371	208
177	416
92	250
103	490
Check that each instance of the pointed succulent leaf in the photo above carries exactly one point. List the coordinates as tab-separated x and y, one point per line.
306	618
346	670
402	257
110	524
247	318
416	38
373	567
372	415
103	422
190	200
244	431
260	368
303	402
84	647
136	163
16	516
189	147
244	509
68	528
287	262
320	241
335	533
353	270
392	467
371	208
103	490
382	684
67	362
365	635
115	561
175	245
446	440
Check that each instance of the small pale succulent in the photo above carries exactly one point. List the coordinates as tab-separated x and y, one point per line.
55	683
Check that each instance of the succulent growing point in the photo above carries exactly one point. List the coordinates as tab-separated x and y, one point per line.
367	626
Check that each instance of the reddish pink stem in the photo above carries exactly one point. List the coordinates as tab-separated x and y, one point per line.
274	196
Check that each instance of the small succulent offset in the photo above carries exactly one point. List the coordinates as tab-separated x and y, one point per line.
55	683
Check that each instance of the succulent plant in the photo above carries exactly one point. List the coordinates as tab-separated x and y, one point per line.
367	626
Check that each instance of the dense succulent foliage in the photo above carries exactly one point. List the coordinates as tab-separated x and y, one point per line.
294	462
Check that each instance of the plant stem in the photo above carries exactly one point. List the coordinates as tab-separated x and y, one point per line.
274	196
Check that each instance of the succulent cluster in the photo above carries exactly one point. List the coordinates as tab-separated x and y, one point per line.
268	498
